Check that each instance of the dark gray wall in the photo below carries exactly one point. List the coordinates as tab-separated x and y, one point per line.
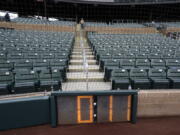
24	112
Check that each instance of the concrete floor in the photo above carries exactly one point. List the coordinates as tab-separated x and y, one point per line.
153	126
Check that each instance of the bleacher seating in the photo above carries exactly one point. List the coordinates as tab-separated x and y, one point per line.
33	61
163	24
43	21
149	60
171	24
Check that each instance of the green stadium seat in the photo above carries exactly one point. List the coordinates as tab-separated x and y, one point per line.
173	63
26	81
118	56
6	65
108	67
120	79
39	65
61	65
127	63
143	63
141	56
50	80
174	76
129	56
23	64
139	79
159	78
154	56
158	63
6	79
32	56
103	58
47	56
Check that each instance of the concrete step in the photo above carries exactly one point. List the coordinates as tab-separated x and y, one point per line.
80	62
79	53
80	68
82	86
79	57
82	77
80	49
78	39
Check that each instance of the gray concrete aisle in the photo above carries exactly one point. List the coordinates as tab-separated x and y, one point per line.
77	76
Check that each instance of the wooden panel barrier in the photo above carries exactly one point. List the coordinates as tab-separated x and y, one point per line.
40	27
121	30
172	29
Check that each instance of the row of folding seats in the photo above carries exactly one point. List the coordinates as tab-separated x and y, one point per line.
121	54
134	47
109	65
43	21
141	62
35	39
13	42
102	57
26	81
28	55
138	78
26	45
128	42
36	65
21	49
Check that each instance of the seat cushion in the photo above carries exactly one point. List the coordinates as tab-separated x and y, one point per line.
3	85
49	82
108	71
122	81
141	83
24	84
120	84
4	89
156	80
177	80
141	80
158	83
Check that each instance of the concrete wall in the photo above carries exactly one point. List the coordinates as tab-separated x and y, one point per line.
157	103
23	112
121	30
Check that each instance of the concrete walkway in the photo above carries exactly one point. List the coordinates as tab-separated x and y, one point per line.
84	74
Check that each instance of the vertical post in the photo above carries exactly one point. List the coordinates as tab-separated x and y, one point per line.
53	111
134	108
45	9
85	62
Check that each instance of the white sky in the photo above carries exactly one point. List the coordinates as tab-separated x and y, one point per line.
12	15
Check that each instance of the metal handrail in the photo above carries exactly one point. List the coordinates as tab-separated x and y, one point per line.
85	62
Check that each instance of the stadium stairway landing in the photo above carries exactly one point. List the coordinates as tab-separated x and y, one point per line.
77	76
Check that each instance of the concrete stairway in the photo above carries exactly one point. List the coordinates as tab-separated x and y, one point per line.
77	78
